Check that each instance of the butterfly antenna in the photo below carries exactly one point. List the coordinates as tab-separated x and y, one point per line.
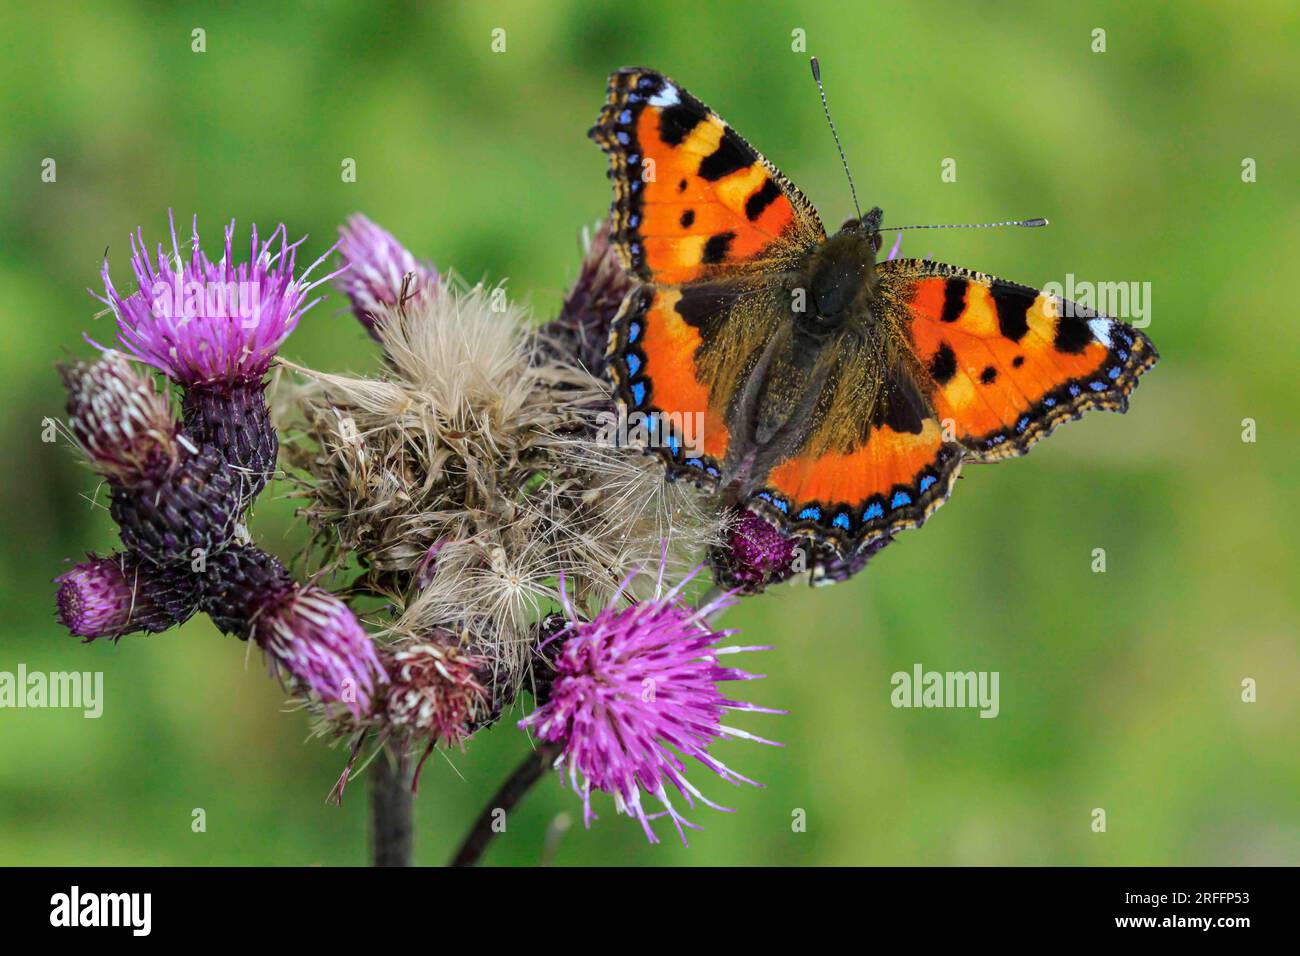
972	225
817	76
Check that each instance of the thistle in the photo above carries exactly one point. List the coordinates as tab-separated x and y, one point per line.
470	481
120	421
213	328
633	688
754	555
108	597
467	475
379	273
435	690
436	693
173	500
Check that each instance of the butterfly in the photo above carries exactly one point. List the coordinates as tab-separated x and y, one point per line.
835	394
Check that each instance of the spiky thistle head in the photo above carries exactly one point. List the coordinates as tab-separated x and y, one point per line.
205	322
435	690
634	687
119	420
107	597
754	555
312	637
379	273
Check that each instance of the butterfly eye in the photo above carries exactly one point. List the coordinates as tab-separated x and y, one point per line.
876	242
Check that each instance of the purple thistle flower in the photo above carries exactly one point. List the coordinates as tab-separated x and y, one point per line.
757	554
94	600
116	595
754	555
120	421
314	637
205	322
214	328
634	688
306	632
379	272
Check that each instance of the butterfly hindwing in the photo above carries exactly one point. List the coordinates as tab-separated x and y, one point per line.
651	333
1007	363
875	462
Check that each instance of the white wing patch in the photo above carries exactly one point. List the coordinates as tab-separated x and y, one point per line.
1100	327
665	97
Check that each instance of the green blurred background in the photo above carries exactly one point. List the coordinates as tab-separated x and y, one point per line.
1119	690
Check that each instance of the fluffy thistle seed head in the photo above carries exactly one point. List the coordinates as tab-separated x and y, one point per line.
120	420
204	322
633	688
475	447
379	273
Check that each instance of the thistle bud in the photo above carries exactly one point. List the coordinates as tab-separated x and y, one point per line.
115	595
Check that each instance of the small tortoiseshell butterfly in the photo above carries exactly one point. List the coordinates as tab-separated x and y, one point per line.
839	395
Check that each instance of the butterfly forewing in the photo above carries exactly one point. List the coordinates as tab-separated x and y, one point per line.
1007	363
691	197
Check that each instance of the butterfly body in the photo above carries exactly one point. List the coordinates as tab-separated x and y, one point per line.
838	394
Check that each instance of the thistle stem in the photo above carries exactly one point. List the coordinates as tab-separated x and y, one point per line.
392	808
517	785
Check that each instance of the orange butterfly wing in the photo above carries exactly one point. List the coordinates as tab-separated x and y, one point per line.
707	224
998	366
1007	363
855	482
